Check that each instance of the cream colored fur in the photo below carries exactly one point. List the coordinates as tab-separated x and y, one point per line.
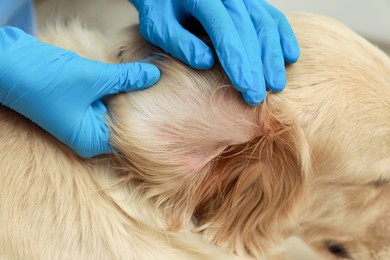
203	175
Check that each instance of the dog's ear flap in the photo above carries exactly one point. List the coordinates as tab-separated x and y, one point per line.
170	138
248	198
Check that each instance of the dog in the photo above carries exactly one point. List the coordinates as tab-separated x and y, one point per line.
199	174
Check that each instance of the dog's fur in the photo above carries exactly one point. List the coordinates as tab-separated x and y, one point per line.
202	175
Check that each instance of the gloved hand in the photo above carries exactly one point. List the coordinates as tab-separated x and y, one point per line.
61	91
252	39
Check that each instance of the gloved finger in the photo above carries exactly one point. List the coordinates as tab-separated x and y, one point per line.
178	42
218	24
244	26
288	40
248	96
268	38
95	132
117	78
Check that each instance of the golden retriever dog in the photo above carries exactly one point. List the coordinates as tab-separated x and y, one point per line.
199	174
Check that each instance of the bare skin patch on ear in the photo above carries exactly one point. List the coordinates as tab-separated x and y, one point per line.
198	158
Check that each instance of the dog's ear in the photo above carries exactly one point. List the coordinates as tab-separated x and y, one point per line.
171	134
248	198
193	146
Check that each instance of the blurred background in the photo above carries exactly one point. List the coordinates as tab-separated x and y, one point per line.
370	19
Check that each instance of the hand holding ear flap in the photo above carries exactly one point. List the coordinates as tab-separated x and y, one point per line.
252	39
61	91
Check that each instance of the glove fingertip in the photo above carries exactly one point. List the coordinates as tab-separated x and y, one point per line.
151	74
277	82
202	59
291	50
254	97
96	138
89	153
292	55
139	76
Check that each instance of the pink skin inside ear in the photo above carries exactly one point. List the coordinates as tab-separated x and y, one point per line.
198	159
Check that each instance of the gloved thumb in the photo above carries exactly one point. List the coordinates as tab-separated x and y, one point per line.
128	77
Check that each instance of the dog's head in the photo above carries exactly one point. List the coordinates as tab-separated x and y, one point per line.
341	91
312	161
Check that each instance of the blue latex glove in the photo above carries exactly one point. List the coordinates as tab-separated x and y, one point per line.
252	39
61	91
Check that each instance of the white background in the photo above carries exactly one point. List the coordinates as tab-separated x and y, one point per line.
370	18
